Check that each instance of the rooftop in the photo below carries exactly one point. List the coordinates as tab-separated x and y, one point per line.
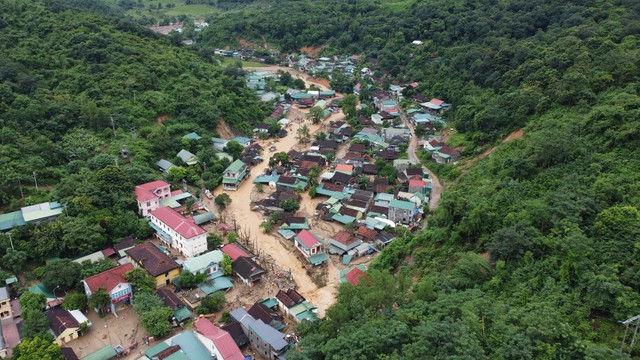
308	239
177	222
235	250
221	339
152	259
108	279
202	262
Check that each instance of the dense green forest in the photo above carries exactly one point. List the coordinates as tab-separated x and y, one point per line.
76	91
533	253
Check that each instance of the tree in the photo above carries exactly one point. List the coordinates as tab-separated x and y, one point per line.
189	280
62	273
32	302
100	300
303	134
315	114
290	205
140	280
14	260
223	200
144	302
38	348
225	265
75	301
35	324
214	241
234	149
188	204
211	303
176	174
232	237
156	321
266	226
348	105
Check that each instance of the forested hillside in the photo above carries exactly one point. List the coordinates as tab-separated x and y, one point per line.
77	91
533	253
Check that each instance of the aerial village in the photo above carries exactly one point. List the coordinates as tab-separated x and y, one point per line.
304	208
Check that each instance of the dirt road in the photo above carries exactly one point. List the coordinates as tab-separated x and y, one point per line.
250	221
436	189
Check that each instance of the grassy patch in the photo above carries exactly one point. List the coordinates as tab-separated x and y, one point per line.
457	139
195	10
232	62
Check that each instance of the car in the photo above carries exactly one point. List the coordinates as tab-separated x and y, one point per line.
208	194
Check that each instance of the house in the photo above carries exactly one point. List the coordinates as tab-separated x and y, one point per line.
311	246
267	341
192	136
171	300
234	329
113	282
187	157
148	195
435	105
402	164
186	345
340	178
235	251
432	145
64	326
67	353
233	175
244	141
295	306
219	144
261	128
401	211
207	263
225	347
34	214
353	275
158	264
446	155
418	185
267	315
342	242
366	234
178	232
164	166
247	270
5	304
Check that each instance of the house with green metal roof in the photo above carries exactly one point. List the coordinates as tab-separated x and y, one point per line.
374	139
206	263
187	157
219	144
192	136
234	174
401	211
104	353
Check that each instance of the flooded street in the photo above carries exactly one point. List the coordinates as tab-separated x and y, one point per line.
248	222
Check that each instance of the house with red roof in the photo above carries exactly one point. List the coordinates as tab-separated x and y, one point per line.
235	251
178	232
225	346
149	195
311	246
418	185
114	283
354	275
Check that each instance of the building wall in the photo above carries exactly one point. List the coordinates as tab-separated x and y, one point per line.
260	345
147	206
161	280
67	336
399	215
188	247
5	309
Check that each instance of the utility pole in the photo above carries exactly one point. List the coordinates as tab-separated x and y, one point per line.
11	241
20	186
631	321
113	126
35	179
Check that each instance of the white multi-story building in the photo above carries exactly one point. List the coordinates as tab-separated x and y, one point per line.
178	232
149	195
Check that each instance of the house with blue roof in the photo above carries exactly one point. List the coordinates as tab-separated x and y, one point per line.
34	214
244	141
267	341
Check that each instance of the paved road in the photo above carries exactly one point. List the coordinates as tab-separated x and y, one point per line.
436	189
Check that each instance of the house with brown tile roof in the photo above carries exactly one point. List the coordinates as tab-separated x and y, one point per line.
366	234
65	327
158	264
